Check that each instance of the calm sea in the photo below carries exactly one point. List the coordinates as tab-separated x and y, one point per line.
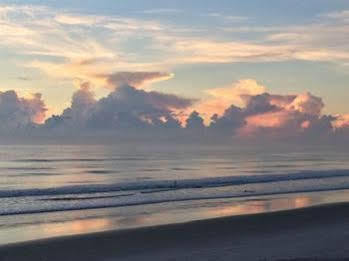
54	190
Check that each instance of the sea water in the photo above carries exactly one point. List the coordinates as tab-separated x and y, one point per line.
53	190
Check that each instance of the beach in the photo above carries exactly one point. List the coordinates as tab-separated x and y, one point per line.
174	130
106	203
314	232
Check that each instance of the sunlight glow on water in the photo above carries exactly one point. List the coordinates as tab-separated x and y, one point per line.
31	227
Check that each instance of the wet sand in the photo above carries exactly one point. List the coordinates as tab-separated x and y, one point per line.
315	232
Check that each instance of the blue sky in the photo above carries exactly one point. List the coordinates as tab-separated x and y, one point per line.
288	46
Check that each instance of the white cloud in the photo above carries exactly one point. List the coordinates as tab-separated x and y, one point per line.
341	15
160	11
70	45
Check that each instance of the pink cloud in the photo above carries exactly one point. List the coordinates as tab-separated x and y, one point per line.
17	112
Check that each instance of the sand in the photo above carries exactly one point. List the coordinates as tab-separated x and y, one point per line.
315	232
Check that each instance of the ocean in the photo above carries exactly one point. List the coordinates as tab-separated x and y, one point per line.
57	190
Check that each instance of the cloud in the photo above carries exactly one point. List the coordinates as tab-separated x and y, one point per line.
135	79
341	125
83	102
34	31
23	78
229	18
246	109
17	112
341	15
342	121
284	115
124	108
161	11
194	50
194	121
232	119
307	104
220	98
67	45
252	113
70	46
234	93
70	19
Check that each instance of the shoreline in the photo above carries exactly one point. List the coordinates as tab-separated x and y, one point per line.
312	232
30	227
286	193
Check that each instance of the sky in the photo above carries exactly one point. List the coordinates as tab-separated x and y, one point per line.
70	58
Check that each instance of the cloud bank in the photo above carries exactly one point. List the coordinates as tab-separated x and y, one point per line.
251	113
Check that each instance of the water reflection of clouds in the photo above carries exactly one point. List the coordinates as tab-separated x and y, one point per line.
84	226
258	206
77	227
157	214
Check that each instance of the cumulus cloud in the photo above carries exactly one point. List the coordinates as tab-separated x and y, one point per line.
282	115
221	98
251	112
17	112
232	119
234	93
341	121
306	103
195	121
83	102
341	125
246	109
124	108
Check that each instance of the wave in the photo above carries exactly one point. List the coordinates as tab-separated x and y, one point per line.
11	212
152	185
